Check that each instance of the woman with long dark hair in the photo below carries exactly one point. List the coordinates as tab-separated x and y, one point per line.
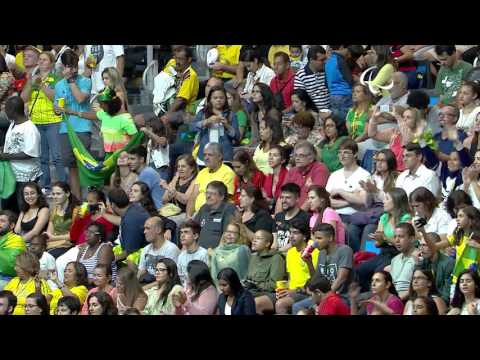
466	298
101	303
246	173
254	211
270	134
161	297
36	304
200	296
233	299
263	107
277	159
423	285
335	132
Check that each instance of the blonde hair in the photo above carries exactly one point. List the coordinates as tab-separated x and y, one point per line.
417	115
116	82
28	262
242	238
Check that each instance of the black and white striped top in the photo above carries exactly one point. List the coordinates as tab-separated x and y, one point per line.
92	262
316	86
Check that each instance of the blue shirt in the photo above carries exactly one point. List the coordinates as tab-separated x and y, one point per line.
337	84
152	179
62	90
132	237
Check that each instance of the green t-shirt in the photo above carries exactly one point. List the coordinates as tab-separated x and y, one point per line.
449	81
116	130
356	122
242	119
388	230
329	155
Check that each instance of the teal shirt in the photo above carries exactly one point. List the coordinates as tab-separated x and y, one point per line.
449	81
329	155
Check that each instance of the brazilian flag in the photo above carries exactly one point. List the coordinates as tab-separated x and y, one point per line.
468	259
93	172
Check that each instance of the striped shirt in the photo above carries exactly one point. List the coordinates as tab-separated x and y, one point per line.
316	86
92	262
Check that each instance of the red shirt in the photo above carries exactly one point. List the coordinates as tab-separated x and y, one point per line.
285	85
268	183
258	179
315	174
333	305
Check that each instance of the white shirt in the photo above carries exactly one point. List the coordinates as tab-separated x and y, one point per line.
150	256
47	263
439	222
228	309
263	75
10	60
24	138
423	177
337	180
106	56
466	122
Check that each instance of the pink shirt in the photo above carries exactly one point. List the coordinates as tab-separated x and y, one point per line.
393	302
112	293
331	215
205	304
316	174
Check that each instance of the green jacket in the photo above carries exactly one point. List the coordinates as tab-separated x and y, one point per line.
266	269
10	246
442	270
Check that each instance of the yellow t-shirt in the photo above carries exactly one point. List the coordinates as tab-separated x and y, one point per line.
275	49
297	269
225	174
19	61
41	107
188	88
261	160
21	291
227	55
80	291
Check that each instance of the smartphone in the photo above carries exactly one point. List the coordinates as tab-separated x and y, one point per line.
385	108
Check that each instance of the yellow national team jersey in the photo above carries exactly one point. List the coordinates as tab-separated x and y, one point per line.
189	86
297	268
80	291
227	55
21	291
204	177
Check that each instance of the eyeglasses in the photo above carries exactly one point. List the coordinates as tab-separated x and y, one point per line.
160	270
302	156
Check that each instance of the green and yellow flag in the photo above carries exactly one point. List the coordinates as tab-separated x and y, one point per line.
93	172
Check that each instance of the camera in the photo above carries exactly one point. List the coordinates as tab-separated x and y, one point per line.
419	222
93	208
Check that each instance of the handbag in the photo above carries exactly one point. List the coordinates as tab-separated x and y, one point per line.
278	98
370	216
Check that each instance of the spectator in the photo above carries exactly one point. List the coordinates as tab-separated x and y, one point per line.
397	211
403	264
358	116
258	72
179	190
327	302
298	56
335	132
312	77
100	57
398	97
101	303
298	267
451	74
346	194
102	279
339	80
385	300
10	246
69	305
403	55
263	108
158	248
137	158
75	90
36	304
307	171
322	213
75	282
246	173
57	51
471	180
381	57
290	193
96	251
7	89
200	295
38	246
8	302
457	200
129	293
23	155
254	212
61	219
416	174
423	285
227	63
424	305
425	205
191	250
133	216
160	297
270	135
276	49
215	215
466	299
233	299
303	124
30	60
282	83
232	252
33	219
26	282
217	124
215	170
467	99
123	177
234	103
265	269
113	79
39	92
277	157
